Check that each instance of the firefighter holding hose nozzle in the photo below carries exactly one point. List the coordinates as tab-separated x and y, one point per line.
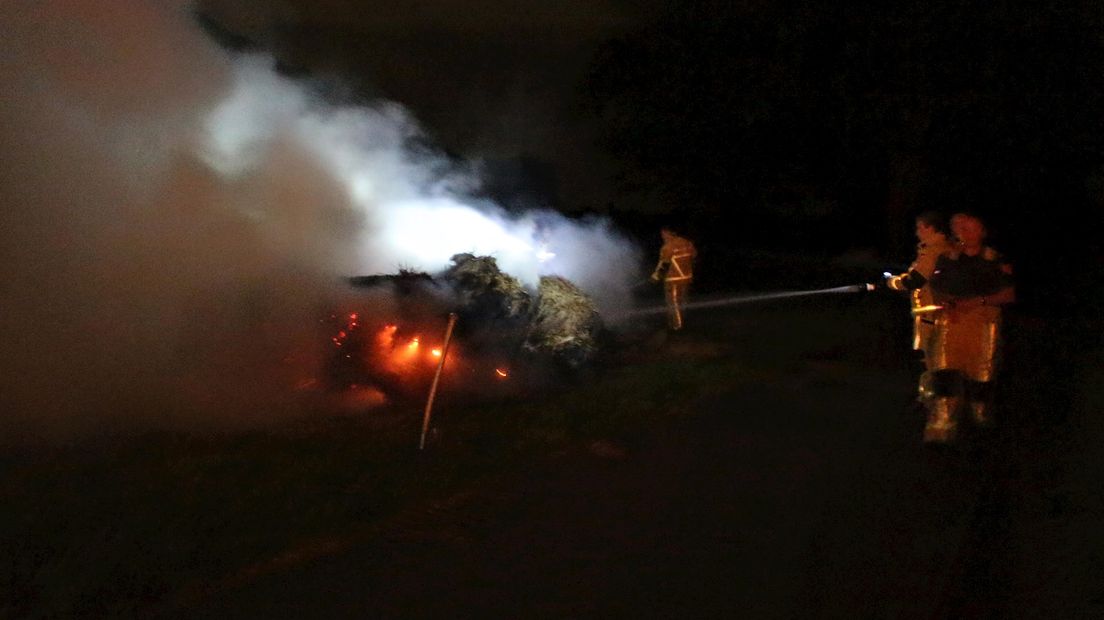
930	231
676	269
970	284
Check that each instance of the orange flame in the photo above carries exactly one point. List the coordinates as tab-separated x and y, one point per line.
436	352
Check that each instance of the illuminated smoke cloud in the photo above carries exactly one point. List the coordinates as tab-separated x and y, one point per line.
415	208
175	219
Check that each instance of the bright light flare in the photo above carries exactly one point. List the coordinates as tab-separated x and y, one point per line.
929	309
435	353
543	255
428	232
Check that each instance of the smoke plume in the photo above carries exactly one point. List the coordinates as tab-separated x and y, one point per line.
175	220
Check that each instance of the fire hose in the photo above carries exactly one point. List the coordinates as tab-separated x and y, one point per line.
744	299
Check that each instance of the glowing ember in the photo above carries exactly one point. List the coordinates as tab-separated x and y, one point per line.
501	373
306	384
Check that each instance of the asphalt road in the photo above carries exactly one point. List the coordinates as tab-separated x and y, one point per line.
810	496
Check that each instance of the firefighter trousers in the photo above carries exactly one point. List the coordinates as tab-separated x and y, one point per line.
676	293
962	366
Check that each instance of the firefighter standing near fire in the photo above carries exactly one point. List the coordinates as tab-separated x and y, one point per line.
676	269
971	283
917	281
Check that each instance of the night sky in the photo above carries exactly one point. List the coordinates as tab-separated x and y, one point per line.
790	126
502	82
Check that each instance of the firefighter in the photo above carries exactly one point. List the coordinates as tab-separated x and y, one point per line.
676	269
971	282
917	281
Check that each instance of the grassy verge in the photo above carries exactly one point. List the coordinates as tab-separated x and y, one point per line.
96	530
113	530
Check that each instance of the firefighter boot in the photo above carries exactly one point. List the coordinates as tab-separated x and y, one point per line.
942	420
926	389
979	414
674	318
978	392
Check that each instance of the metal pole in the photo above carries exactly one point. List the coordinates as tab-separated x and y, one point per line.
436	378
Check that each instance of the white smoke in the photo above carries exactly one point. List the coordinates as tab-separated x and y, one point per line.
415	208
174	219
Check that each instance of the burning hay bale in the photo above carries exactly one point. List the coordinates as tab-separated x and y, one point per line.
485	290
503	327
565	323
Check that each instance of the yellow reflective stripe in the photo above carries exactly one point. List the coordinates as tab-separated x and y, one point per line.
674	261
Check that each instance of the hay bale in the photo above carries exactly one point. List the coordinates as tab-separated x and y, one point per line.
565	323
482	289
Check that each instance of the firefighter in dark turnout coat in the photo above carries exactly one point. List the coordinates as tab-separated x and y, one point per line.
971	283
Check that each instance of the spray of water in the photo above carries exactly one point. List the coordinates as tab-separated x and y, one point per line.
174	219
735	300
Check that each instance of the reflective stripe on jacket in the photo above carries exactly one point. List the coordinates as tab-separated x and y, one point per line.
677	255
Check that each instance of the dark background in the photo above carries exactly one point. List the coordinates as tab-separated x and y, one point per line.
765	460
759	128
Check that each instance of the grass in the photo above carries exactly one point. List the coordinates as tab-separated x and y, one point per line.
117	528
108	530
